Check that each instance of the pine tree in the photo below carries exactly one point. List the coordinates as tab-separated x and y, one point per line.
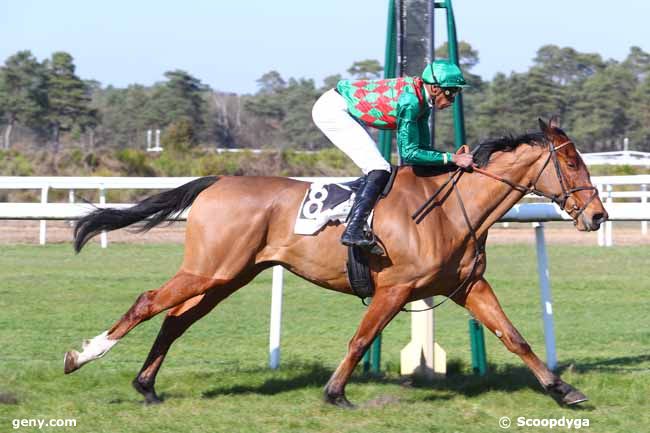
181	97
639	115
599	115
23	96
68	98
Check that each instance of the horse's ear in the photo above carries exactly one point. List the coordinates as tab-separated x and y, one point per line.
554	122
542	125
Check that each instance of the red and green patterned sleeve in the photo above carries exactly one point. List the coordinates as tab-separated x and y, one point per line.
413	137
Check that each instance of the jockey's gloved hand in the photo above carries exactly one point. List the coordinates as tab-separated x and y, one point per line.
463	160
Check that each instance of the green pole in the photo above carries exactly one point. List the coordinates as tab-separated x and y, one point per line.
372	357
452	43
459	116
390	66
477	343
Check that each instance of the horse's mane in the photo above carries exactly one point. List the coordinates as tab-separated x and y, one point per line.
507	143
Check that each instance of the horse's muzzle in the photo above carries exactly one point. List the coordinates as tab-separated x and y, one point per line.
593	222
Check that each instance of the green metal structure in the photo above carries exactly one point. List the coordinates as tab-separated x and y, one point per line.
395	35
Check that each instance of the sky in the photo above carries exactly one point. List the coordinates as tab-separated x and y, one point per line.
229	44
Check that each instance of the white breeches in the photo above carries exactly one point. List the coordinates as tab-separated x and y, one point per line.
330	114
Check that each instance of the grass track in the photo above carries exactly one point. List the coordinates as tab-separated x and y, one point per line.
216	379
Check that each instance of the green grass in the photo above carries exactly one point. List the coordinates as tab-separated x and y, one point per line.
215	378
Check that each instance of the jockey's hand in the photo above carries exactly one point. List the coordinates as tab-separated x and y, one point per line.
464	160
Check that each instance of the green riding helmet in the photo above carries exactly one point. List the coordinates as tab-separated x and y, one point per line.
444	74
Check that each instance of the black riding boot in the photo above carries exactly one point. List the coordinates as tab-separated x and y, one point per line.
364	201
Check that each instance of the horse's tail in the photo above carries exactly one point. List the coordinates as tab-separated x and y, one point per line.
157	208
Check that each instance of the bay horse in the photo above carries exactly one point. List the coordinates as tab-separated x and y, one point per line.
239	226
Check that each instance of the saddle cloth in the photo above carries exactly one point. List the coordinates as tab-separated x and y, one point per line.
324	203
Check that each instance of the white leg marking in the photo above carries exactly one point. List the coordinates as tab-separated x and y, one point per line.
95	348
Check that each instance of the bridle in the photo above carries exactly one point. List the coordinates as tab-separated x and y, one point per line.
559	199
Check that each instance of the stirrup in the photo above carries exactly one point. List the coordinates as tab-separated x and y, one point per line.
372	247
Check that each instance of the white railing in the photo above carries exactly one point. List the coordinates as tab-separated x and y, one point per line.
45	210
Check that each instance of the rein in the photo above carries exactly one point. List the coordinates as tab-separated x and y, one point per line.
478	249
560	200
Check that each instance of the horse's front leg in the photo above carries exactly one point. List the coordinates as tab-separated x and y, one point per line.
384	306
483	304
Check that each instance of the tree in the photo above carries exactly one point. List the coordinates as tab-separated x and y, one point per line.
639	115
23	95
271	82
638	62
331	81
497	113
599	114
297	125
566	65
68	97
182	96
366	69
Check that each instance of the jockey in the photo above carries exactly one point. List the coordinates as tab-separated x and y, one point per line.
404	104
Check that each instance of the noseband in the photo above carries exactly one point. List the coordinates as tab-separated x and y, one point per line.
559	199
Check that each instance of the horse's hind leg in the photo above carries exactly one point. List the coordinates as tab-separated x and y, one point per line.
180	288
178	320
483	304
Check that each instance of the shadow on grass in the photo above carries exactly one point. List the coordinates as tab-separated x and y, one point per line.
621	364
508	379
459	381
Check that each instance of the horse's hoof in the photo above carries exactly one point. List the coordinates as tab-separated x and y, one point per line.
70	362
148	393
566	394
339	401
574	397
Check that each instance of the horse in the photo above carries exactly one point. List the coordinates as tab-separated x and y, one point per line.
239	226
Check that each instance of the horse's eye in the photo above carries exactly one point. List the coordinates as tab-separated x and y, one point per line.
571	164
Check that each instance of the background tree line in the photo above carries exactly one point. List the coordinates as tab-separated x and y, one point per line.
45	105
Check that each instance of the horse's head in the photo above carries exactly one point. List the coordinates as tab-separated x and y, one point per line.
565	178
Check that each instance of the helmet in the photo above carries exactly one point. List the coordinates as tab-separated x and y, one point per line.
444	74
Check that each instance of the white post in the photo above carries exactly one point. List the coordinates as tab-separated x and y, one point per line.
276	317
545	296
102	201
608	225
644	200
603	228
157	138
149	135
71	200
422	356
43	228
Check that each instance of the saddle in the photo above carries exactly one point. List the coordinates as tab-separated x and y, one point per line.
325	203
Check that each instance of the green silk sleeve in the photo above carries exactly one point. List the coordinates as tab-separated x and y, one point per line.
413	139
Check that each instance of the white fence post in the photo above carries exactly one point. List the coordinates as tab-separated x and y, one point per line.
644	200
545	296
601	232
71	200
102	201
276	317
609	227
43	229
